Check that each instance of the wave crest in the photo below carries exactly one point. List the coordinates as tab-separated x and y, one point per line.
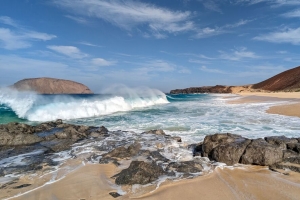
36	107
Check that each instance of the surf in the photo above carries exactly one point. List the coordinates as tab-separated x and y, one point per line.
35	107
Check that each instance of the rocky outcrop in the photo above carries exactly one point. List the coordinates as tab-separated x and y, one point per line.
205	89
51	86
139	172
276	151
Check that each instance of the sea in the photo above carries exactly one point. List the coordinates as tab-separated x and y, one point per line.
190	116
127	113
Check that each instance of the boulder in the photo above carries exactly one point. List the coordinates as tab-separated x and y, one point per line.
280	141
139	172
230	153
185	167
260	152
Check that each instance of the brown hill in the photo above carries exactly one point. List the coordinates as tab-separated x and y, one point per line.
51	86
288	80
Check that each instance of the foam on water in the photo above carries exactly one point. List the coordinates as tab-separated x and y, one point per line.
35	107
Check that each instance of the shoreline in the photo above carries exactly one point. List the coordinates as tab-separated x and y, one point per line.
290	106
93	181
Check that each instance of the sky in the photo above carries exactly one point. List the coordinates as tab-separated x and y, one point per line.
163	44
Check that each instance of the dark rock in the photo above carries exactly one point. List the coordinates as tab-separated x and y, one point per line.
122	152
212	141
139	172
177	138
284	165
58	145
290	154
109	160
204	89
115	194
230	153
185	167
280	141
156	132
259	152
294	147
295	160
21	186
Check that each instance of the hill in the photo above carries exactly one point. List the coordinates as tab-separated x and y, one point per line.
51	86
286	81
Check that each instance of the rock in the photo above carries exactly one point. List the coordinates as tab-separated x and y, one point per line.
51	86
294	147
290	154
286	165
259	152
185	167
230	153
13	134
115	194
139	172
122	152
280	141
177	138
156	132
212	141
204	89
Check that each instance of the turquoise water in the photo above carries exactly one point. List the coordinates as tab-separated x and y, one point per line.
189	116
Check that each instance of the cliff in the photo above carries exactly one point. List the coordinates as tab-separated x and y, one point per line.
51	86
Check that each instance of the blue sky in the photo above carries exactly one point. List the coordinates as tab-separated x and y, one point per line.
163	44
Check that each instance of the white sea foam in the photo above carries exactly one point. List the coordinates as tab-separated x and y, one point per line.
45	108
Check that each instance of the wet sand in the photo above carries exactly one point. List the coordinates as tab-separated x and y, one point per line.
252	182
89	182
92	182
291	108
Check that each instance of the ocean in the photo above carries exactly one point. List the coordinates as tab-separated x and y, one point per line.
190	116
127	114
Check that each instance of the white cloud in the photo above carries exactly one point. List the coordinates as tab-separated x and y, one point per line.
128	14
19	37
79	20
208	32
294	13
238	54
8	21
102	62
89	44
288	35
211	5
70	51
211	70
272	2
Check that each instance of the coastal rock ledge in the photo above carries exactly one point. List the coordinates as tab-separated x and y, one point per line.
277	152
51	86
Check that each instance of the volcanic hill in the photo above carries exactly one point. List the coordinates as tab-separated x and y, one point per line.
51	86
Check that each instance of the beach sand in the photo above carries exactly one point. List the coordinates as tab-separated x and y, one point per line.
249	182
91	181
292	108
244	182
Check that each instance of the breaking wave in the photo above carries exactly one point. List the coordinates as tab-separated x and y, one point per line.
34	107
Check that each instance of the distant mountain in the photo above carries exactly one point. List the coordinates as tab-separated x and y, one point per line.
51	86
287	80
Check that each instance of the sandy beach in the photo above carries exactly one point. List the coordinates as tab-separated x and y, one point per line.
92	182
291	108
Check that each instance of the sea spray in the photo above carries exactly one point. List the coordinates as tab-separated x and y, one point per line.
35	107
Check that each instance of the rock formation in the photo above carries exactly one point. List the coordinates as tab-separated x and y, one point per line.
276	151
205	89
51	86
